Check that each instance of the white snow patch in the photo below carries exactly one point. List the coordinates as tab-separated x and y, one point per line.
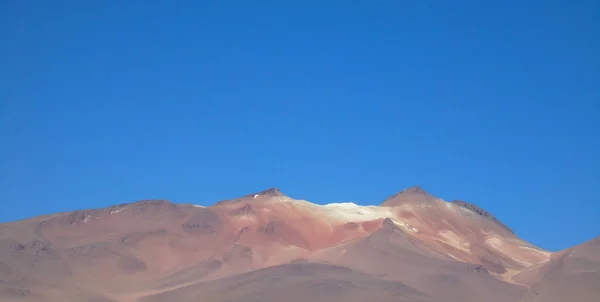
350	211
246	217
117	210
197	206
87	218
521	261
498	244
255	195
495	242
455	240
409	227
529	248
345	205
282	199
345	211
545	253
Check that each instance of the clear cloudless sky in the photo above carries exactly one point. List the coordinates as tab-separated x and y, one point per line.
493	102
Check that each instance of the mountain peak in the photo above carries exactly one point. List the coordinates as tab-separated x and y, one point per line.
414	189
269	192
388	223
414	194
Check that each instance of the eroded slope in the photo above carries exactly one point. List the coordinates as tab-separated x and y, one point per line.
154	246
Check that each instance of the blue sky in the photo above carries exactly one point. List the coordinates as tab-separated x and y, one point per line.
493	102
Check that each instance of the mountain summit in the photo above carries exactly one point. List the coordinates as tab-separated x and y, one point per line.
266	246
412	195
270	192
267	194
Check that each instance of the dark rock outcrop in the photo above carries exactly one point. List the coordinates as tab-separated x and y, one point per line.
205	222
479	211
246	209
130	264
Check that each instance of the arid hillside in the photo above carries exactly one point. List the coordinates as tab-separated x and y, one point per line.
267	246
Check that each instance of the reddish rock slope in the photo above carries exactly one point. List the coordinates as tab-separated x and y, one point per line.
413	247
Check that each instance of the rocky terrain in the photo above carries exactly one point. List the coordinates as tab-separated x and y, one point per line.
267	246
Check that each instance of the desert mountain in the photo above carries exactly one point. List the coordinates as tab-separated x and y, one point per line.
267	246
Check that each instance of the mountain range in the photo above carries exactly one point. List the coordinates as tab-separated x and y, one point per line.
266	246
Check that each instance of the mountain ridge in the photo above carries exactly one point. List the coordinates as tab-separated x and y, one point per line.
166	246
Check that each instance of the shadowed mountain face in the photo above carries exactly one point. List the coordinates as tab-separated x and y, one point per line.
266	246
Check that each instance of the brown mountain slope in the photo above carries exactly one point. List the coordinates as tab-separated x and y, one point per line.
295	282
392	254
571	275
155	249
